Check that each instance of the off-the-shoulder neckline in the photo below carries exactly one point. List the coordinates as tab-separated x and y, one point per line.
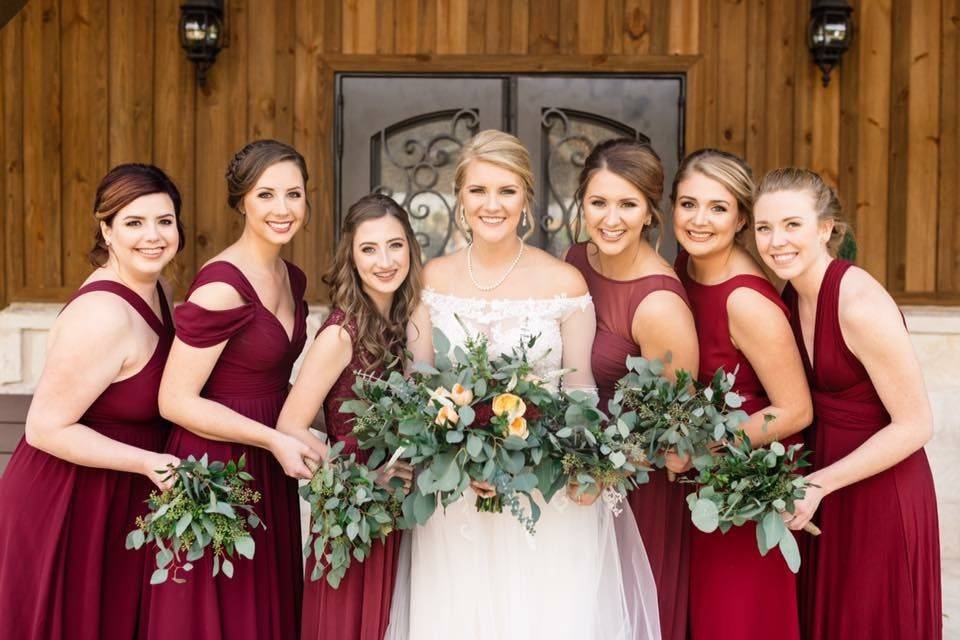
555	298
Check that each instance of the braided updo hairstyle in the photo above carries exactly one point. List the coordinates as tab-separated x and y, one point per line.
249	163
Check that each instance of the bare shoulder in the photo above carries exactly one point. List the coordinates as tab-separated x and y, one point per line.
95	318
216	296
443	272
746	306
864	304
555	276
662	307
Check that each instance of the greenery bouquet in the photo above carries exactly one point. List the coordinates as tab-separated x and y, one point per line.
469	417
349	512
753	485
600	455
209	506
684	416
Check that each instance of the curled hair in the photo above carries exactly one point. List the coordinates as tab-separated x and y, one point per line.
634	161
249	163
826	203
122	185
729	170
379	340
501	150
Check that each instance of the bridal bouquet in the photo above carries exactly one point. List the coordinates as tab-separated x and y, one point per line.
600	455
748	484
469	417
349	511
209	506
685	416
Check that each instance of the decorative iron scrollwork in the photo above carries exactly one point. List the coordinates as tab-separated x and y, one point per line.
410	171
567	136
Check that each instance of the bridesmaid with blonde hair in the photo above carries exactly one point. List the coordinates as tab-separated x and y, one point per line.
742	327
874	573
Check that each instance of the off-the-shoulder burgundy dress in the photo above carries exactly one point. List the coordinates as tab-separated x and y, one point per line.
874	572
263	598
360	608
64	570
735	593
659	506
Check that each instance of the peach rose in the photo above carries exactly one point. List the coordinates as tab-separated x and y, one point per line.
440	395
447	414
518	427
461	395
508	404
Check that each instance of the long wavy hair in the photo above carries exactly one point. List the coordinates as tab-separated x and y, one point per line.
379	340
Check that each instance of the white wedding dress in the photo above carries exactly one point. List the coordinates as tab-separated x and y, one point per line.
479	576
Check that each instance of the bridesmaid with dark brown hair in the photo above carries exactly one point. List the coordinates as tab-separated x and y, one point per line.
874	573
94	435
238	334
742	326
642	309
374	287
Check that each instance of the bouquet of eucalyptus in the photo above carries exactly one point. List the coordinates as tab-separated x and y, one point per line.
600	455
747	484
469	417
210	505
685	416
349	512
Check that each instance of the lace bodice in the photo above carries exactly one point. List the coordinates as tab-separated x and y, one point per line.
562	324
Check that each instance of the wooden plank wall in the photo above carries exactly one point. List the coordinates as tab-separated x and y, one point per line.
89	83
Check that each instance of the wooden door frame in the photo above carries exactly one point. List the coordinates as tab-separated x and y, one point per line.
329	65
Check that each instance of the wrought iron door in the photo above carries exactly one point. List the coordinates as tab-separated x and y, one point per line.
401	135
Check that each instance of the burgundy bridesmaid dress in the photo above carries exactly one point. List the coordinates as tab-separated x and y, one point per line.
735	593
262	600
660	506
874	572
360	608
64	570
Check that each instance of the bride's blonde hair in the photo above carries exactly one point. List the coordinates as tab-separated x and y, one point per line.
501	150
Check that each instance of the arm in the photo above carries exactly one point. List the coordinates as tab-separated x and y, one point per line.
873	330
326	360
89	349
184	376
664	323
762	332
420	336
577	331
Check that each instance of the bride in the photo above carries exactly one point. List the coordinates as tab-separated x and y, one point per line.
470	575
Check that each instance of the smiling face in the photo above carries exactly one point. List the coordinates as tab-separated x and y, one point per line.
790	238
706	216
615	213
142	237
381	255
493	200
276	206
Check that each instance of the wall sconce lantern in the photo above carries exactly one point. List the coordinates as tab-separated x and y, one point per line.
201	33
829	34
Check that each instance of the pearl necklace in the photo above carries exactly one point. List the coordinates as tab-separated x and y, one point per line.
499	282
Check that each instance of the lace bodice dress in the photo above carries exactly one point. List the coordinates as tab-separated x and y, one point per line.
480	575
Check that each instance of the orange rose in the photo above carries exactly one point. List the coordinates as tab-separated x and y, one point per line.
461	395
518	427
447	414
508	404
